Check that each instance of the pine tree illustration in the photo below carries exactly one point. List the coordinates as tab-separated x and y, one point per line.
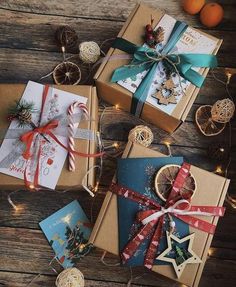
77	244
181	255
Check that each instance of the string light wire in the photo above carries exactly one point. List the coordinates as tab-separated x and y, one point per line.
226	84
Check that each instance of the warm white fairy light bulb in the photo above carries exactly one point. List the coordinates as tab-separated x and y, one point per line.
167	143
115	145
219	169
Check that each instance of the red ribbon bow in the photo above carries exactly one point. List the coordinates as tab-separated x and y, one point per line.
152	219
29	136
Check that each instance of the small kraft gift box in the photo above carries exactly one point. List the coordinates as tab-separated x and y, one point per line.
36	155
162	212
159	80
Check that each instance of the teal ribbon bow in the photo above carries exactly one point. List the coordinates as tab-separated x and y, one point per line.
147	59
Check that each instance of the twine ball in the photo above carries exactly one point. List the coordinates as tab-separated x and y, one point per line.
222	111
142	135
70	277
89	52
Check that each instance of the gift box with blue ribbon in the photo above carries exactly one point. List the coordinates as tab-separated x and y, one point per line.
132	73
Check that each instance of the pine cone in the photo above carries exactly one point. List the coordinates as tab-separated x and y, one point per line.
159	35
25	117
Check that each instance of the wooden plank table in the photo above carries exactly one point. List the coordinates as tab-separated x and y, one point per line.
28	51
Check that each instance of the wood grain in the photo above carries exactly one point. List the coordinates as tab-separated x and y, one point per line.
28	51
33	256
113	10
9	279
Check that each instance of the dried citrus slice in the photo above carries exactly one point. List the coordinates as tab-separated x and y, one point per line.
67	73
205	122
165	178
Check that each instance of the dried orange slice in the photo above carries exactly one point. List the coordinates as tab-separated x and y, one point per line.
205	122
67	73
165	178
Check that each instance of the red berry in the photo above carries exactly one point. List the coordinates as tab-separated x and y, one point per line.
149	28
149	37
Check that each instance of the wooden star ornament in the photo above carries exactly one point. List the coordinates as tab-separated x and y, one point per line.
182	258
169	86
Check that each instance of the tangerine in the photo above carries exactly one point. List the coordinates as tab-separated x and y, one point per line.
211	15
193	6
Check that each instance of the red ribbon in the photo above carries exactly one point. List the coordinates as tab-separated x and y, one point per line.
28	139
155	227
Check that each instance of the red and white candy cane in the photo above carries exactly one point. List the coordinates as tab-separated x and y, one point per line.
71	129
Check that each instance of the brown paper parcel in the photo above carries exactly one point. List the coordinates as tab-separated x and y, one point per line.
133	30
11	92
211	191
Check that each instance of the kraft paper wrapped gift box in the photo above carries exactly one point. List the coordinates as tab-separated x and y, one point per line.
211	191
168	118
13	92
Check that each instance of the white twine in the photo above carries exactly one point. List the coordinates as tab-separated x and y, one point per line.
89	52
70	277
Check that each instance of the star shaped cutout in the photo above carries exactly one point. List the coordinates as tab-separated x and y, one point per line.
179	268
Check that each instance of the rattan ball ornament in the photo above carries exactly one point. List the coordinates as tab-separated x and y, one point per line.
66	37
222	111
89	52
141	135
70	277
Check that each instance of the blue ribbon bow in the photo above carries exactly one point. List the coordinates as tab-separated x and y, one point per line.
147	59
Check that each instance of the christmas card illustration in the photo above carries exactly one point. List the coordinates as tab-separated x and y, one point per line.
45	107
191	41
68	231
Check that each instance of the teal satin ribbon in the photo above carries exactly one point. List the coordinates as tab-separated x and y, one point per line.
147	59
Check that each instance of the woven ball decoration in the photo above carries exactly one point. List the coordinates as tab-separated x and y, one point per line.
70	277
222	111
142	135
66	37
89	52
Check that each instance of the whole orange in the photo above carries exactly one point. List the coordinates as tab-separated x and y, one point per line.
193	6
211	15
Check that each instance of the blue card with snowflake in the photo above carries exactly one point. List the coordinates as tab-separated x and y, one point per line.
138	174
68	231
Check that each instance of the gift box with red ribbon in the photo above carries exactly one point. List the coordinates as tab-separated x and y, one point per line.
31	154
167	229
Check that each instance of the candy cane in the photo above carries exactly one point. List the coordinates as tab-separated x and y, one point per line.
71	129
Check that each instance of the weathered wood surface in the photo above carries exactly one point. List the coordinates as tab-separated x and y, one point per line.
28	51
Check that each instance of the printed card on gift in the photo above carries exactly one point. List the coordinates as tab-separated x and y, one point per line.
67	231
192	41
52	155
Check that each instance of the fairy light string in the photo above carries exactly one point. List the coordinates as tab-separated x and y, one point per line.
115	145
229	72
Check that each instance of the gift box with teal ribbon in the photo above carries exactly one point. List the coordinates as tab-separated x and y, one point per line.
134	76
